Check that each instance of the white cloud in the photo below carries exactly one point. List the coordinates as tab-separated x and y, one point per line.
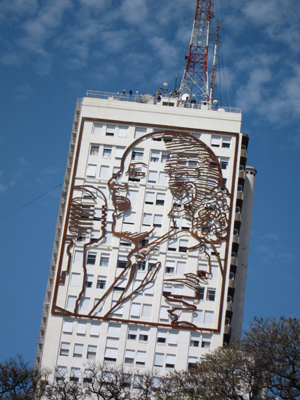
39	29
134	11
23	91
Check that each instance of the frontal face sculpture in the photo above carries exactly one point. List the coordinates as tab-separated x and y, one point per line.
193	176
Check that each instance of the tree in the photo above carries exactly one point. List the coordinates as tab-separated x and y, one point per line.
275	345
18	380
107	382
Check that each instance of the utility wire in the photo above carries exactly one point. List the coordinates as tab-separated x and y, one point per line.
29	202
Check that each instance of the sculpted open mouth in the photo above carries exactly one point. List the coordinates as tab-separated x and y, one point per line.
121	203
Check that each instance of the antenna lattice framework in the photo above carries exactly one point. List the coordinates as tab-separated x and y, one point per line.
195	76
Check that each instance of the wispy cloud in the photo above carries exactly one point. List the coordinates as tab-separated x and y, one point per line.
23	91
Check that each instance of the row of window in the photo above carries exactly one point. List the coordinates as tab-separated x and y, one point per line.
122	131
134	333
171	266
149	289
144	311
135	380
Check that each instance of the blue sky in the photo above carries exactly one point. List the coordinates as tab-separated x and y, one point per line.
52	51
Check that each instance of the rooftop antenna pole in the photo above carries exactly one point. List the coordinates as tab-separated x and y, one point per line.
195	76
213	74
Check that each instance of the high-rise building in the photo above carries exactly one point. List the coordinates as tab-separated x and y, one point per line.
150	256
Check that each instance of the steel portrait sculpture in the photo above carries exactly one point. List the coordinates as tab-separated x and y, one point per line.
198	195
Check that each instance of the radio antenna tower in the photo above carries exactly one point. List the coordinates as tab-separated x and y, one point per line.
195	76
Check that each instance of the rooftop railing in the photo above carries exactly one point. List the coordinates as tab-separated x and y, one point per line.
165	100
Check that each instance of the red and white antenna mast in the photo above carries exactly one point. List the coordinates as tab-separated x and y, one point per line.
195	76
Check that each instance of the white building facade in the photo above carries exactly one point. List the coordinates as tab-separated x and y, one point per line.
150	257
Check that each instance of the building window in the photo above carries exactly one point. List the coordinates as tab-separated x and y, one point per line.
139	132
75	279
226	142
160	199
91	258
140	358
146	310
192	362
135	309
78	257
95	329
122	263
155	156
170	361
163	314
114	331
150	198
157	221
215	141
91	352
75	374
143	336
89	281
104	260
101	282
137	154
201	293
129	217
180	270
120	286
107	152
67	326
98	129
164	156
78	350
87	377
104	172
61	373
195	340
119	152
161	336
123	131
206	341
81	328
183	245
129	357
152	176
211	294
118	310
91	170
110	354
94	150
224	163
198	317
64	349
170	267
110	130
84	303
132	333
159	360
71	302
163	178
208	317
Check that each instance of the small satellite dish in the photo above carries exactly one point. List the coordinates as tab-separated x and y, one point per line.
185	96
147	99
215	102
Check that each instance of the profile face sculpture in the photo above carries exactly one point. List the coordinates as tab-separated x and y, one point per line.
194	178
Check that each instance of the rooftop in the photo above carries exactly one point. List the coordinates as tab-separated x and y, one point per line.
166	99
